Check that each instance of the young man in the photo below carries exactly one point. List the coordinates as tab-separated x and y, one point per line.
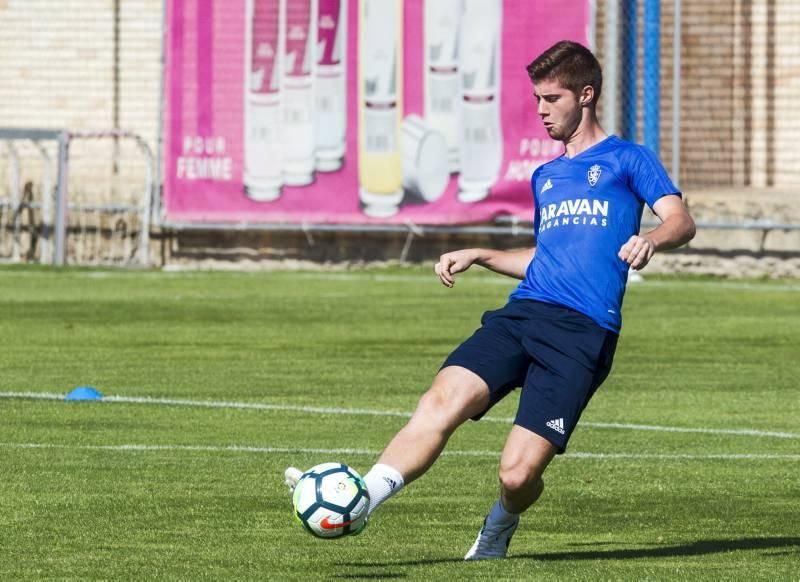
556	336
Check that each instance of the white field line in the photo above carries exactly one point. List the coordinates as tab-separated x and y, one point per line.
373	453
392	413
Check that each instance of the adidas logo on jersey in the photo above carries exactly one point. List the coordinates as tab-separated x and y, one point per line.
557	424
546	187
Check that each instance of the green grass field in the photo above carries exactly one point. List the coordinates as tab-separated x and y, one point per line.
686	466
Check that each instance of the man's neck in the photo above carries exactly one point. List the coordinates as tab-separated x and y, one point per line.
585	136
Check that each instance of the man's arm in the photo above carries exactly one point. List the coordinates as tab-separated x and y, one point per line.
676	229
512	263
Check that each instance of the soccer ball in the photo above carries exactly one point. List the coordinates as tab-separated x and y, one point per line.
331	501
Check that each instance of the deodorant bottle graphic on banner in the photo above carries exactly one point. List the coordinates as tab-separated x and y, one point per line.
481	138
442	20
263	162
298	92
380	107
331	86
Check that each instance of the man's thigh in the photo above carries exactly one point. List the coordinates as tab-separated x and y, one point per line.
495	354
561	381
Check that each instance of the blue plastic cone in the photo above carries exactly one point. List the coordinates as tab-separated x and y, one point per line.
84	393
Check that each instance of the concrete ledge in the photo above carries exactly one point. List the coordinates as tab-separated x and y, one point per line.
749	207
762	251
733	266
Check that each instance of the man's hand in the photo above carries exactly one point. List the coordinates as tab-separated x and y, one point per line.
638	251
676	229
455	262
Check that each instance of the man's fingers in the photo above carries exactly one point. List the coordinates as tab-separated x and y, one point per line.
442	269
644	257
636	252
625	250
452	263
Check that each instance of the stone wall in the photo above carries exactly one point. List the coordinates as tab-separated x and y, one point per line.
81	64
740	59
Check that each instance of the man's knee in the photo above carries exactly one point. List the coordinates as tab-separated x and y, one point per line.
518	477
515	479
525	458
454	396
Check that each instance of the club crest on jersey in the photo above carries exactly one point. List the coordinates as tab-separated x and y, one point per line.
594	174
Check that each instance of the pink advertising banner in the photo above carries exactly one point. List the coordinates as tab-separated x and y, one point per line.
356	111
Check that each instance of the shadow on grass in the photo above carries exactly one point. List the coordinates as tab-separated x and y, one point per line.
697	548
369	575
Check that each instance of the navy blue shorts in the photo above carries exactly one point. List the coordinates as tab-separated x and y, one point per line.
557	355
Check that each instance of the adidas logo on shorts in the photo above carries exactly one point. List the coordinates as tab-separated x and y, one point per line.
557	424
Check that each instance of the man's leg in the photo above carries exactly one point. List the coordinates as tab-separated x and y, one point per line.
456	395
525	457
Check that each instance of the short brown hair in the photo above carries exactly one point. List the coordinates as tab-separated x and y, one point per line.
571	64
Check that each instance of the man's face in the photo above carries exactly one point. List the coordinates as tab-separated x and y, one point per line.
558	107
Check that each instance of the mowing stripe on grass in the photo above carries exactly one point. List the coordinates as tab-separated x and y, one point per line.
411	278
395	413
369	452
173	271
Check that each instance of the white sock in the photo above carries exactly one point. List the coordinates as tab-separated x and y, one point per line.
499	515
382	482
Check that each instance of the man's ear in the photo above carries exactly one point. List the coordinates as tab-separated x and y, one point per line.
587	96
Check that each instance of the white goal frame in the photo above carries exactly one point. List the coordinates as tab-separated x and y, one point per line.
58	219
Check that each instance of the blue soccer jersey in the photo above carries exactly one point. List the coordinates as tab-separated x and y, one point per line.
586	208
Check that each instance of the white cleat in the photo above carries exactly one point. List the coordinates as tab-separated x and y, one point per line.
492	542
291	477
